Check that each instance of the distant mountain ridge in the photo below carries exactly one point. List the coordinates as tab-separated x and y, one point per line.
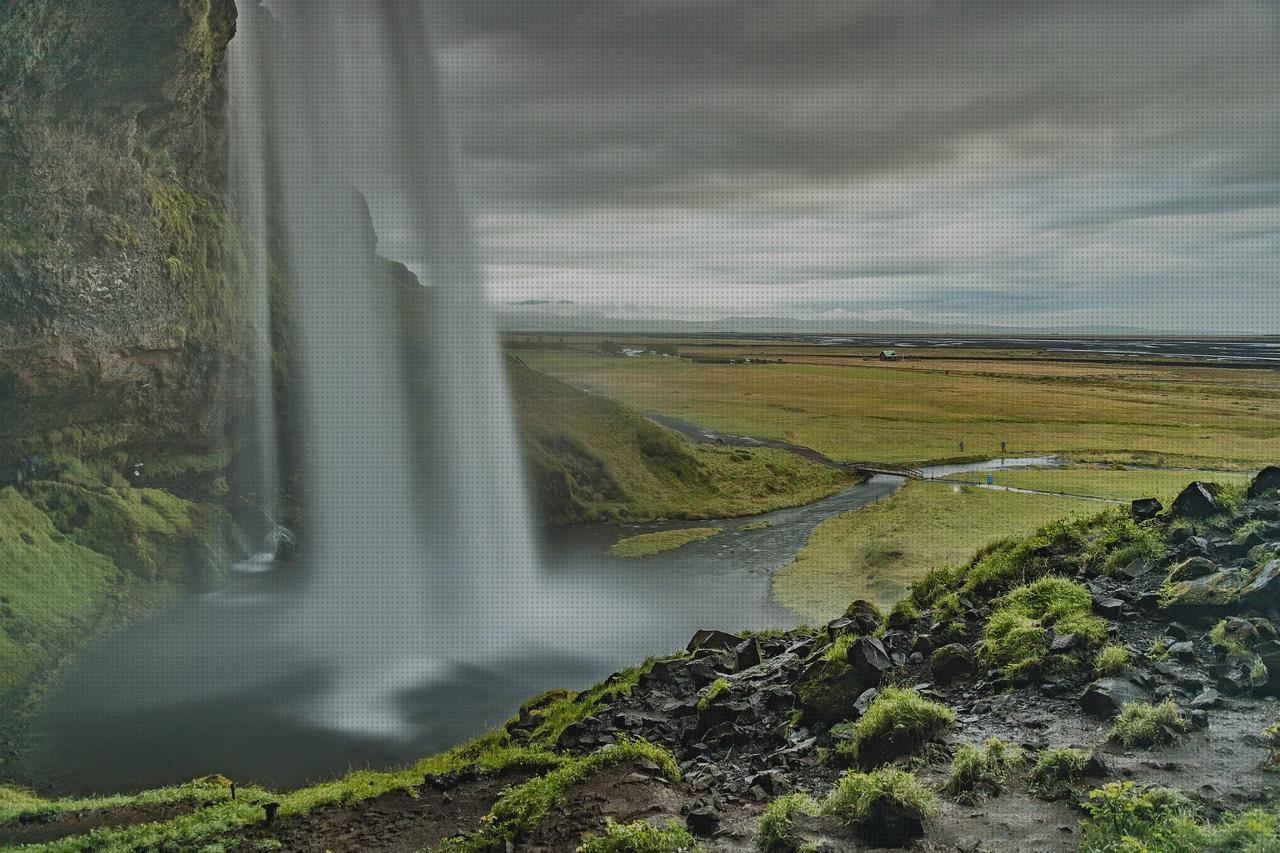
534	316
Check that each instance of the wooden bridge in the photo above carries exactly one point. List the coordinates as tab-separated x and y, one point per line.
886	468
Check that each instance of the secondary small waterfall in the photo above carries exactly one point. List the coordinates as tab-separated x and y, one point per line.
418	539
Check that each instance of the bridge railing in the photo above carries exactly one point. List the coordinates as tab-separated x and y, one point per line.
889	469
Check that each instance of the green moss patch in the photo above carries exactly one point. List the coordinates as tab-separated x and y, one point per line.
149	533
1014	636
51	587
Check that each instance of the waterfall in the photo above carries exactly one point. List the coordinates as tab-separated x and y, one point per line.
418	545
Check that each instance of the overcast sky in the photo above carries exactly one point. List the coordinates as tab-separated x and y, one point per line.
1028	163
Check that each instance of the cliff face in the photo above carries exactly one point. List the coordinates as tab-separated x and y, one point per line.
119	308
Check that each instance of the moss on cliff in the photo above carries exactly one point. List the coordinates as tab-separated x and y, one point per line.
147	532
120	268
204	259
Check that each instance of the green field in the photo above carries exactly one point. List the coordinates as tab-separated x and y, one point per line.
647	544
595	460
1087	410
1119	484
876	552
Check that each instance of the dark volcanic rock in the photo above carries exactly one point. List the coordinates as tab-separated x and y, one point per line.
869	659
1192	567
703	820
1145	509
1108	607
1261	584
1105	697
712	640
1268	480
865	615
1198	500
746	655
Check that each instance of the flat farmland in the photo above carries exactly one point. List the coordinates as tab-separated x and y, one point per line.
852	407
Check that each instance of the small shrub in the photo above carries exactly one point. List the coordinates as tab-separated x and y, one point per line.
638	837
898	722
1159	649
1124	818
981	770
1112	660
717	687
1013	638
1056	772
886	807
1144	724
776	832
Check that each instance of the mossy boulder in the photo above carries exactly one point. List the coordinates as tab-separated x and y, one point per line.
1204	596
951	661
828	689
1198	500
1267	481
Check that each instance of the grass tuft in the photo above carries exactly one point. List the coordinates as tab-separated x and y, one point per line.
978	771
1112	659
899	722
876	805
1144	724
717	687
776	829
1056	772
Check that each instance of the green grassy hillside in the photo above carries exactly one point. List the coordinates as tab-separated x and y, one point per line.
76	560
592	458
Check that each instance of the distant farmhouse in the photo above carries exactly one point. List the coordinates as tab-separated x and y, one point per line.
889	355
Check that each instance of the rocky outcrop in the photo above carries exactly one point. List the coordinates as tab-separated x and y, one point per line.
118	306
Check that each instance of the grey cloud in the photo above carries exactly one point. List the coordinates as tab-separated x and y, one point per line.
1049	150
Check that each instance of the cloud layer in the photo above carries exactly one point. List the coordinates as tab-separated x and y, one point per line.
1011	162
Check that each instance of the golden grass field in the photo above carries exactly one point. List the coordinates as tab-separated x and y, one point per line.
877	552
921	409
1103	482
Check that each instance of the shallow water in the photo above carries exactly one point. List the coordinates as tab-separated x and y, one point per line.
232	682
